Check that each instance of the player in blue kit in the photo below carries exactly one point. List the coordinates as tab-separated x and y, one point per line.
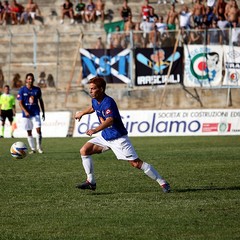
114	136
30	97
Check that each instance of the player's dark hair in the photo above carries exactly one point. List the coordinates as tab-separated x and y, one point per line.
7	86
99	82
31	75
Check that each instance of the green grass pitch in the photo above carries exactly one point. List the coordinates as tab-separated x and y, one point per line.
39	201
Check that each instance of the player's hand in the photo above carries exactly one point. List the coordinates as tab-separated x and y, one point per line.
90	132
43	117
78	116
27	114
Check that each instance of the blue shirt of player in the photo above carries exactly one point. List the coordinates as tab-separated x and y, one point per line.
29	98
108	108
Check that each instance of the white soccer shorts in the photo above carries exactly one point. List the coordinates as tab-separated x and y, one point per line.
122	147
29	123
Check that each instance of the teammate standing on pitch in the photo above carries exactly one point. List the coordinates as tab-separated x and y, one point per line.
114	136
7	109
30	97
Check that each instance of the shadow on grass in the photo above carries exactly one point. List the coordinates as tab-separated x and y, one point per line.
208	188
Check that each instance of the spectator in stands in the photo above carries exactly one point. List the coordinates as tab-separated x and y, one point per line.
161	25
196	35
1	78
50	81
42	83
222	23
167	39
90	12
17	82
185	17
116	38
6	19
210	4
219	9
16	12
145	10
184	36
31	12
125	11
233	14
154	35
100	7
80	11
1	12
172	18
209	17
129	25
146	26
67	10
235	36
137	36
152	16
214	36
227	7
99	44
198	12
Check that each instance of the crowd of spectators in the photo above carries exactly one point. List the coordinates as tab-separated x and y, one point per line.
155	27
215	16
14	13
83	12
159	30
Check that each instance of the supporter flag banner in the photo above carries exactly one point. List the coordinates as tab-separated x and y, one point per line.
195	122
232	65
152	66
203	65
111	64
110	27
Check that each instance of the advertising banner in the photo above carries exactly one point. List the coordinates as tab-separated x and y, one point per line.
197	122
232	65
152	66
203	65
56	124
111	64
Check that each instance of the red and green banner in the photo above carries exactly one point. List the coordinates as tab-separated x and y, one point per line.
203	66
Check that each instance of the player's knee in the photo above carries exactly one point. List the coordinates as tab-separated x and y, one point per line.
83	151
39	131
137	163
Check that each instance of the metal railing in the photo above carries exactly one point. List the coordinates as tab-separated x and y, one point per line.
56	53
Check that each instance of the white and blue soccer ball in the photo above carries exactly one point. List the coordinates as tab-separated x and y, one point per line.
19	150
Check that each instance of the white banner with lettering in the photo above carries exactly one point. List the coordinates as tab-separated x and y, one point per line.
171	123
232	65
56	124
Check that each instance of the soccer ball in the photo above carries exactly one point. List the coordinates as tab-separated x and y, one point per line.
18	150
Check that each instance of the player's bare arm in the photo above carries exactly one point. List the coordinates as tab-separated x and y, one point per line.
104	124
43	109
87	110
